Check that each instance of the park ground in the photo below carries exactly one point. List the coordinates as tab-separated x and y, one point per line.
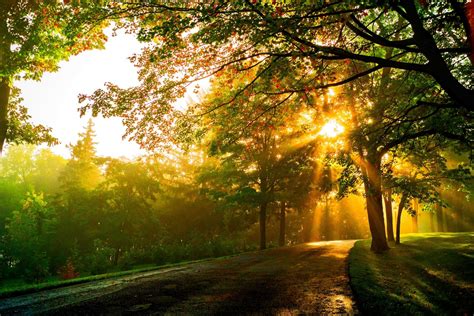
427	274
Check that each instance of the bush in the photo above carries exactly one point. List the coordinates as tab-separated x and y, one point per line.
34	270
68	271
101	260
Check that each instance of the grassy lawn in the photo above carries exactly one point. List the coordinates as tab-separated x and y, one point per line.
427	274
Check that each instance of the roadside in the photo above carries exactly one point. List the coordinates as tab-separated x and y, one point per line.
427	274
310	278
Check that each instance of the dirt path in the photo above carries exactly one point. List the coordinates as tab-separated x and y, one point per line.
305	279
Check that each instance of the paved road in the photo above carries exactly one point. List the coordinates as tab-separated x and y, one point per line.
305	279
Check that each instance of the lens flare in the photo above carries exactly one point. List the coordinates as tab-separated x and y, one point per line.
331	129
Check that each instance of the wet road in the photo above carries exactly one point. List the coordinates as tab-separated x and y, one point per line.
305	279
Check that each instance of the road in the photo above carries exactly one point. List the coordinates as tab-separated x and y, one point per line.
305	279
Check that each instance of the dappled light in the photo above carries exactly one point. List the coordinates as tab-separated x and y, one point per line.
323	132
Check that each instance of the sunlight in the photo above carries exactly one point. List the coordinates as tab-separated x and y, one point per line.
331	129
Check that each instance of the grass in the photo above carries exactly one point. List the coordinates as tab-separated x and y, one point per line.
427	274
19	287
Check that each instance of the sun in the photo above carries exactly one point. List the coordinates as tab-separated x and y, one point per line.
331	129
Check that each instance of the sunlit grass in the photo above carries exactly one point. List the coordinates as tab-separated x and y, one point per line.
428	274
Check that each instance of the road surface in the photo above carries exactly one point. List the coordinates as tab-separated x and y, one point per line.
305	279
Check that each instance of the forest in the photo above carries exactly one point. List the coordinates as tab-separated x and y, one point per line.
265	124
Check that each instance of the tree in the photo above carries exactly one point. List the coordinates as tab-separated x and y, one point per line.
430	40
192	42
28	230
418	169
127	220
34	37
77	202
253	143
19	165
48	168
82	171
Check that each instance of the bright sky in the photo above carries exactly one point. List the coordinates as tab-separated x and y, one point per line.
53	101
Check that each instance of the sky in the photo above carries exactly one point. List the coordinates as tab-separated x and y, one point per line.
53	100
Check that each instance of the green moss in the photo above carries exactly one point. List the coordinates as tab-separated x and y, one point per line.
426	274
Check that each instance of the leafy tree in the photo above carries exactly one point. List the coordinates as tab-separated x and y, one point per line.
417	173
127	220
19	165
194	41
34	37
253	145
48	168
28	231
77	202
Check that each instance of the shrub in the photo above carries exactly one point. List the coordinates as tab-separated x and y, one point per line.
68	271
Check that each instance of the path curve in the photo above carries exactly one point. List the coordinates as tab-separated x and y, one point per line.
310	278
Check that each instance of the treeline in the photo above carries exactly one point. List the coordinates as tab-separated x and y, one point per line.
89	214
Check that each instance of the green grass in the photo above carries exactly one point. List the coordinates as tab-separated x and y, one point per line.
427	274
11	288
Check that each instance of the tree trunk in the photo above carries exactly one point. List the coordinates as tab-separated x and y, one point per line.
388	214
373	191
281	241
4	97
439	217
308	226
263	220
432	227
117	255
414	218
445	220
403	200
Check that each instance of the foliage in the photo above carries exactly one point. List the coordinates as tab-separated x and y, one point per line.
188	42
34	37
28	231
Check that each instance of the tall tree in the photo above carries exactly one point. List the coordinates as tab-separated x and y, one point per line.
82	171
195	41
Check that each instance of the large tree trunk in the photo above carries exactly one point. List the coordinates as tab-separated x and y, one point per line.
281	240
263	226
388	214
403	200
4	97
373	191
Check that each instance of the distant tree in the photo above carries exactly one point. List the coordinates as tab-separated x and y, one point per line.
28	231
254	146
126	216
82	170
417	171
76	202
18	165
48	168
